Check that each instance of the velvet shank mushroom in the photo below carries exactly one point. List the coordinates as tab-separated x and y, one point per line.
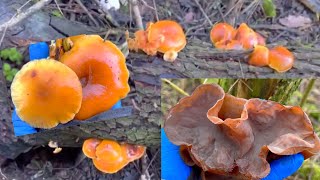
224	36
260	56
230	136
46	93
280	59
109	156
103	73
164	36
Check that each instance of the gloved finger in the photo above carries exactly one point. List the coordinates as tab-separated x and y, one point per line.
284	167
38	51
172	166
20	127
117	105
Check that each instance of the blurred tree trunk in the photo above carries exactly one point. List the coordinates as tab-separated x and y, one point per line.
279	90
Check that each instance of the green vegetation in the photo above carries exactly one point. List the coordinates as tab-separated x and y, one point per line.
56	13
269	8
310	170
9	72
11	54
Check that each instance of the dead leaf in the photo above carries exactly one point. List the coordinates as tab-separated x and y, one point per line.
189	17
295	21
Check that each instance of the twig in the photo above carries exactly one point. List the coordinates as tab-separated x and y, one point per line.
241	68
204	13
246	85
18	17
137	15
21	16
175	87
88	12
145	173
135	105
307	92
155	9
146	4
153	158
4	176
222	16
231	87
55	1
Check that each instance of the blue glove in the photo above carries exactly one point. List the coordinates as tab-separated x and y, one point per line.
172	164
36	51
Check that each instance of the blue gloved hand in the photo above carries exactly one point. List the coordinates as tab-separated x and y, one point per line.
173	167
36	51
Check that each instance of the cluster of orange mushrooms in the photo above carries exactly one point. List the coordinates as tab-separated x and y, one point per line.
87	76
224	36
163	36
109	156
167	37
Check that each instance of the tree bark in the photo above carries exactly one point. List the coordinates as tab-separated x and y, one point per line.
142	127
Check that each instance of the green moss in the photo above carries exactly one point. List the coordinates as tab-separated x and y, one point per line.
11	54
9	72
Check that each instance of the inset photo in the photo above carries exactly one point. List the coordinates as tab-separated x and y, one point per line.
240	128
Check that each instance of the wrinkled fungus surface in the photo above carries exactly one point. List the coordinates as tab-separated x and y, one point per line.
232	136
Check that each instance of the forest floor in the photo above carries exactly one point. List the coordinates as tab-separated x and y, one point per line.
40	163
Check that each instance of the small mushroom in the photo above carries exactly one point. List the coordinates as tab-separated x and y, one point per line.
221	32
132	152
101	68
259	56
229	45
46	93
280	59
261	40
89	147
109	156
164	36
246	36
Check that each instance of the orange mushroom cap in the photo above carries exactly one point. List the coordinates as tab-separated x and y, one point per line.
109	168
101	67
169	34
221	32
109	151
280	59
261	40
165	36
229	45
132	152
246	36
259	56
109	156
46	93
89	147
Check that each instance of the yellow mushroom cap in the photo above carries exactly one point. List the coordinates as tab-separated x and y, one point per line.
46	93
